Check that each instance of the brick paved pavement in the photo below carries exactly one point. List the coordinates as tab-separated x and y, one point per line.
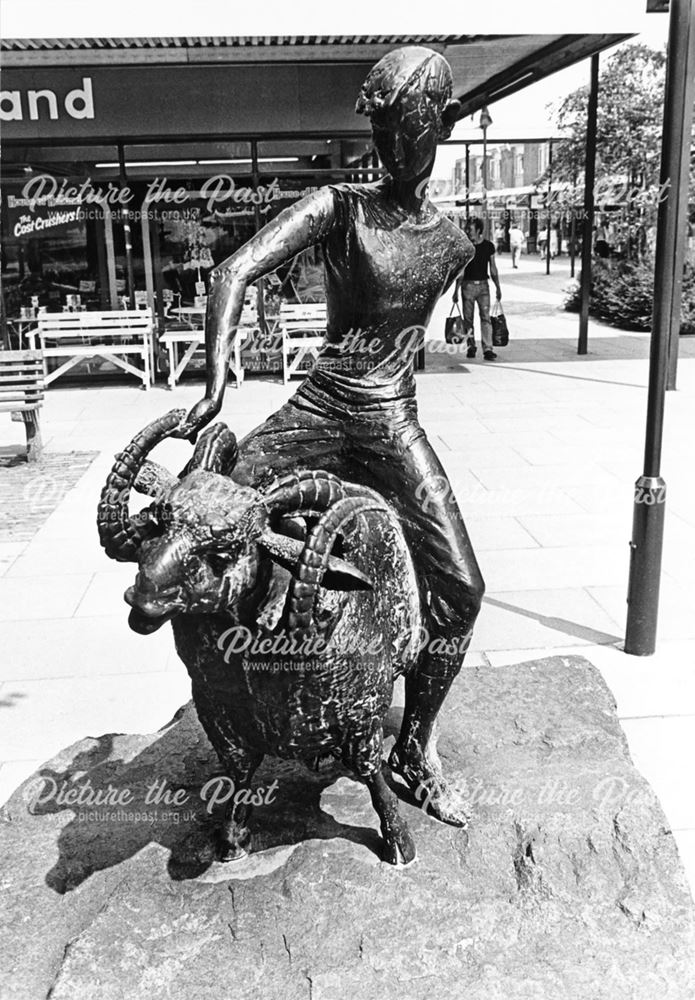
30	492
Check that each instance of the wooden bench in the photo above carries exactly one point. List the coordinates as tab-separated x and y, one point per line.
114	335
303	334
195	338
21	392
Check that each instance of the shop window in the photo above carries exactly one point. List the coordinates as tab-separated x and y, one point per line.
53	237
194	237
188	207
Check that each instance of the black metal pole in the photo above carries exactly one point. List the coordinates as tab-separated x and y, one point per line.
485	218
161	358
130	278
684	97
588	227
4	328
258	220
468	182
650	489
573	228
548	206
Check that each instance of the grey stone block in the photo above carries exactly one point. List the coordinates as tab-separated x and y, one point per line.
567	885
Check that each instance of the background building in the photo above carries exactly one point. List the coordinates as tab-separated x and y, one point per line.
132	165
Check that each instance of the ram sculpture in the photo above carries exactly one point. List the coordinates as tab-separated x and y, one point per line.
314	571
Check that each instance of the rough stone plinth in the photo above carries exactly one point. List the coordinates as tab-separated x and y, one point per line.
567	887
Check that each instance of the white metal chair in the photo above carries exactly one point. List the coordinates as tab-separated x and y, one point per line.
303	334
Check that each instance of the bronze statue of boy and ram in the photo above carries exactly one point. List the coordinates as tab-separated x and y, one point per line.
312	530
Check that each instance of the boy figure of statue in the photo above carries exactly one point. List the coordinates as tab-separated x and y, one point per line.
389	256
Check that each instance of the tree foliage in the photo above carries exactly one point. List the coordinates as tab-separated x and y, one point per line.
629	120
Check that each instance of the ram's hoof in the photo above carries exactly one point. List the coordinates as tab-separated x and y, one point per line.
230	852
399	846
232	842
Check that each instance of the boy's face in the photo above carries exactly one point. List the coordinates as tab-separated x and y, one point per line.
405	135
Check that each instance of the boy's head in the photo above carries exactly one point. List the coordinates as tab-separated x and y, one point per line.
407	96
476	228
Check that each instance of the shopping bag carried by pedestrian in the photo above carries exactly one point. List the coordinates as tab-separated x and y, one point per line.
454	332
500	332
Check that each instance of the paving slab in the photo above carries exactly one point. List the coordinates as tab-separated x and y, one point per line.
542	619
30	598
561	566
78	647
104	703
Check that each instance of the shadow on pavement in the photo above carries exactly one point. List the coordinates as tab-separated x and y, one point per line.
592	635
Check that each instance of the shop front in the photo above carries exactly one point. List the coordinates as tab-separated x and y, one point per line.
131	196
133	166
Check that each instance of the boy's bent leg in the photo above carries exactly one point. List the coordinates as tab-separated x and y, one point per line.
292	438
452	587
453	606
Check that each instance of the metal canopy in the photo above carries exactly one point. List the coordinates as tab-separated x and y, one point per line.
485	67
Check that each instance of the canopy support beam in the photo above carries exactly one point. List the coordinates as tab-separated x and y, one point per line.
588	221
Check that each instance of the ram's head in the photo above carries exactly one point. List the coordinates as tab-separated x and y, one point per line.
200	543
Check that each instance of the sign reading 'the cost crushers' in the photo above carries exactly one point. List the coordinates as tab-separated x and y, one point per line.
108	102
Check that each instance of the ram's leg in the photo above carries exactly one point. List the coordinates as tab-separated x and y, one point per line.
399	846
232	834
365	759
230	792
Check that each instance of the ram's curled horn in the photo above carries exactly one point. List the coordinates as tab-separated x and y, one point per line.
309	490
120	534
215	451
338	574
315	556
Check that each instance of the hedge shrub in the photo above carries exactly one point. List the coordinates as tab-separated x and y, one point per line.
622	293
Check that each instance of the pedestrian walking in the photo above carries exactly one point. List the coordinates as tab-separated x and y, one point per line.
475	287
499	237
516	242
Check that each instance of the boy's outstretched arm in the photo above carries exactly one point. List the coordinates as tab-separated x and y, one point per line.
295	229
